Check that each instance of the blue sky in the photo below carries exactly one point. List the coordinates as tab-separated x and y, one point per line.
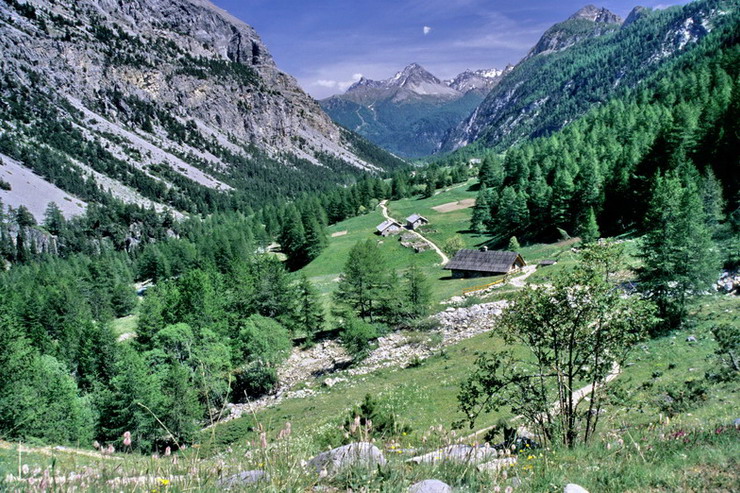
327	44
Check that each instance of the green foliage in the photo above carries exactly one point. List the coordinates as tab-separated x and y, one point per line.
308	316
572	333
253	381
357	337
728	349
418	292
679	256
514	245
263	340
364	281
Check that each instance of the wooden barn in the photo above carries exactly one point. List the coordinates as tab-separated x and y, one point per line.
481	263
416	220
387	227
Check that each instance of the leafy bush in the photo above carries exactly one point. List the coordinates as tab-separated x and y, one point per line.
265	340
357	337
4	185
681	398
253	382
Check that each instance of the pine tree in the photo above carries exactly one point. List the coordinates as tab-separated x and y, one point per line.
678	252
481	212
293	238
54	221
418	291
589	230
491	174
513	244
309	311
363	280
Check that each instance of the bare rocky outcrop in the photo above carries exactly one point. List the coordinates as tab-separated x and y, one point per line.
127	73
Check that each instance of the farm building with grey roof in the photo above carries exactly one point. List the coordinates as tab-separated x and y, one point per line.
480	263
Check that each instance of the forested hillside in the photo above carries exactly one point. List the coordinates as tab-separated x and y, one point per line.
600	170
204	260
550	89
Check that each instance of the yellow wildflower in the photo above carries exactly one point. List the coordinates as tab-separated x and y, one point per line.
164	482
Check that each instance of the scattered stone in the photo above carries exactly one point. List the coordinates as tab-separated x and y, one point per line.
361	453
737	423
729	282
691	339
243	479
497	465
457	453
430	486
516	482
331	382
574	488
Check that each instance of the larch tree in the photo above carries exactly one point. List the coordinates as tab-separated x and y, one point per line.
680	259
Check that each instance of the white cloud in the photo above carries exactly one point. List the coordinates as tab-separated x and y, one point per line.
341	85
427	30
326	83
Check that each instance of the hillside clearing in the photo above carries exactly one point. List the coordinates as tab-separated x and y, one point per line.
454	206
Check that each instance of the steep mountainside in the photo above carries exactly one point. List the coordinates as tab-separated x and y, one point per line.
410	112
583	62
168	102
589	22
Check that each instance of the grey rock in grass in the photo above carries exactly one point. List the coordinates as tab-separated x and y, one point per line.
516	482
498	464
574	488
354	454
430	486
736	423
691	339
243	479
457	453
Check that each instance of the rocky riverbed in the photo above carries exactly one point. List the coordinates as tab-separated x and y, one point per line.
398	349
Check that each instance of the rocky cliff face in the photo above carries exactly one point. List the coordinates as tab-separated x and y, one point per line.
582	62
130	73
588	22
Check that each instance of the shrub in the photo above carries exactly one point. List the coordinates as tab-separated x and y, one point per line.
265	340
357	337
253	382
4	185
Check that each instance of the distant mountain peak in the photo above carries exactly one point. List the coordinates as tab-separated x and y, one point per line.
595	14
636	13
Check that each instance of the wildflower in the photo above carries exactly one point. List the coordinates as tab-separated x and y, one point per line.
164	481
263	440
509	489
167	452
111	449
497	489
96	444
531	457
24	469
127	439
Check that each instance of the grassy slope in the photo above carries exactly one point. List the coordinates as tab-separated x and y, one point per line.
326	269
696	451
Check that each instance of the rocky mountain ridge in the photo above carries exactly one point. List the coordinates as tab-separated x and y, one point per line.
581	62
409	112
173	89
588	22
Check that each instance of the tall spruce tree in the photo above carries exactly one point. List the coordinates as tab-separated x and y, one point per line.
363	281
309	314
679	255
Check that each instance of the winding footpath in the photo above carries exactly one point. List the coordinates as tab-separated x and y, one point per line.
445	258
